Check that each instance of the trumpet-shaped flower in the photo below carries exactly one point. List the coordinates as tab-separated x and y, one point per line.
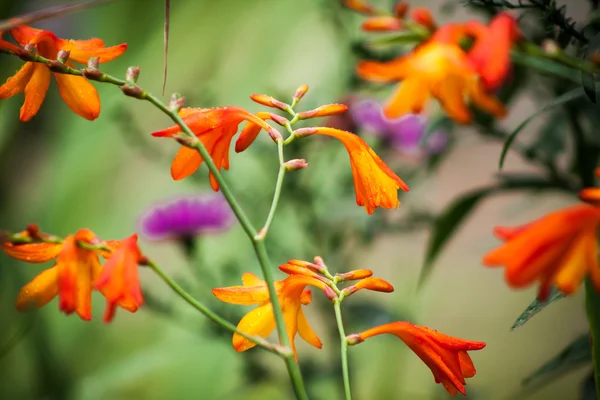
34	78
558	249
215	127
375	184
291	293
438	68
445	355
119	281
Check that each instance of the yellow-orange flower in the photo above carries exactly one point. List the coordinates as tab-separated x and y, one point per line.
215	127
592	194
291	293
34	78
375	184
445	355
438	68
119	281
558	249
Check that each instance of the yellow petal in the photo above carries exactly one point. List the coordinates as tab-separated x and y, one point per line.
259	322
242	294
40	290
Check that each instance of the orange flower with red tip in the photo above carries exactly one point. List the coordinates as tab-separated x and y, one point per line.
438	68
375	184
215	127
445	355
558	249
119	281
34	78
291	292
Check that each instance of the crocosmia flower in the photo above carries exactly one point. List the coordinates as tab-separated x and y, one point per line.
438	68
558	249
34	78
187	217
445	355
215	127
404	134
375	184
119	281
292	294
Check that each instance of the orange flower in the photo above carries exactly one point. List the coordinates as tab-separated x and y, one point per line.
490	54
558	249
591	195
438	68
119	281
215	127
376	185
445	355
6	45
261	321
34	78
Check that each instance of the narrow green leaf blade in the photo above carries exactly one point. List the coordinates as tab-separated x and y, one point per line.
535	307
562	99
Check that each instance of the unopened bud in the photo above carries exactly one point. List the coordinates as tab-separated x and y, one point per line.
33	231
274	134
319	261
295	164
423	16
300	92
185	140
323	111
354	275
354	338
268	101
177	101
93	63
330	293
382	24
359	6
57	66
133	91
132	74
306	264
303	132
550	47
30	48
375	284
279	119
63	56
400	9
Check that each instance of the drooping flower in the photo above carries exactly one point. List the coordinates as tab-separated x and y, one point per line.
592	194
558	249
6	45
404	134
186	217
445	355
215	127
438	68
375	184
119	281
291	293
34	78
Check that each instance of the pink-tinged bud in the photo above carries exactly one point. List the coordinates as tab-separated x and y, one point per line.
323	111
359	6
93	63
550	47
268	101
132	74
133	91
319	262
176	103
295	164
30	48
354	275
303	132
305	264
279	119
300	92
63	56
375	284
400	9
354	338
57	66
274	134
382	24
423	16
185	140
330	293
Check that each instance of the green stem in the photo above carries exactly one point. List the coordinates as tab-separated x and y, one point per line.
130	89
262	234
344	348
592	300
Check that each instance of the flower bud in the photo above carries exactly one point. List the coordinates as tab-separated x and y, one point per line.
274	134
57	66
292	269
303	132
400	9
279	119
133	91
359	6
30	48
63	56
177	101
330	293
319	262
550	47
423	16
354	275
354	338
132	74
93	63
300	92
381	24
268	101
375	284
323	111
295	164
305	264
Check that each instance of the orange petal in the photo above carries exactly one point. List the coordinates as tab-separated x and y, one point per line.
466	365
383	71
590	195
410	97
186	162
249	133
16	83
451	96
34	252
249	279
259	322
40	290
80	95
306	332
381	23
376	284
574	264
82	52
35	91
486	102
24	34
244	295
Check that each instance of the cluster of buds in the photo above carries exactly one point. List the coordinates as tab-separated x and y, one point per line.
400	17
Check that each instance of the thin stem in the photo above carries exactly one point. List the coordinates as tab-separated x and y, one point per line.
262	234
592	300
344	348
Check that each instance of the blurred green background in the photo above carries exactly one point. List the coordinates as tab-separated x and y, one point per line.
64	173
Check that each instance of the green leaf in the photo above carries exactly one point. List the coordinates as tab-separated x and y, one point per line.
589	85
545	65
535	307
447	223
402	38
562	99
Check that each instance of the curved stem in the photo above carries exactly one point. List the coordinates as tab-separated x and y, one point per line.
262	234
344	348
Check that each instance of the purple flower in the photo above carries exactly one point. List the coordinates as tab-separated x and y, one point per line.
186	217
404	134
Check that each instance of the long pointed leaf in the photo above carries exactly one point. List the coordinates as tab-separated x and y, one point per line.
535	307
